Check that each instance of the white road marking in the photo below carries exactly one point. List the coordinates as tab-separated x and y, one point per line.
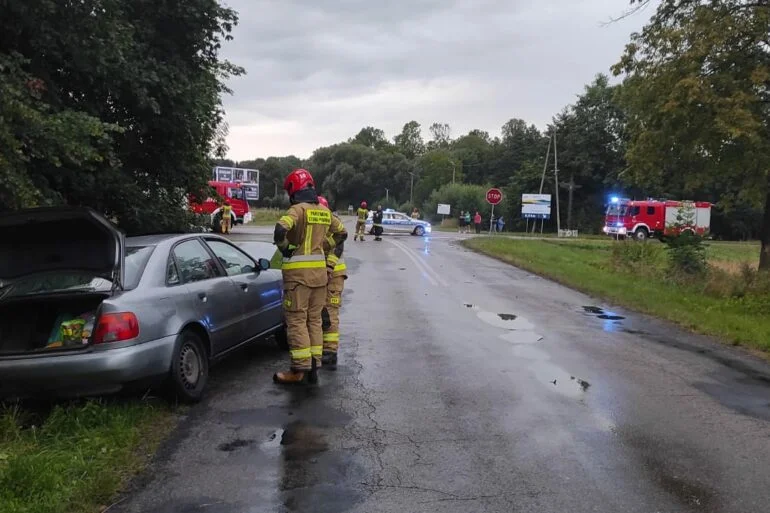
423	266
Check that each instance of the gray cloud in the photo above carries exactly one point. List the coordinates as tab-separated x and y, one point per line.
320	70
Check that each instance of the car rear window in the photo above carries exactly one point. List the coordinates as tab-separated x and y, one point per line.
136	260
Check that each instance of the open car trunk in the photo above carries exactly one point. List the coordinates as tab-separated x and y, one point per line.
43	324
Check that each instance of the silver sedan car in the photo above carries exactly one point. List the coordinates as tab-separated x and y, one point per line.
84	310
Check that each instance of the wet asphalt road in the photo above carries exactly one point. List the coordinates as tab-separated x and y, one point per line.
467	385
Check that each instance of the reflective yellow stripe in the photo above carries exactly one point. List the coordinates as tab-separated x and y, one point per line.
288	221
303	265
332	259
318	216
316	350
331	337
299	354
331	242
308	240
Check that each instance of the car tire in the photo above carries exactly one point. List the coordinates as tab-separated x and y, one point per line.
419	231
282	338
641	234
189	372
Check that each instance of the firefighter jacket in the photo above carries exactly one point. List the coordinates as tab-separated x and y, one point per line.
334	262
227	211
362	214
300	235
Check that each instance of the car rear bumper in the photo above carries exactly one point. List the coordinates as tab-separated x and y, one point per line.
97	371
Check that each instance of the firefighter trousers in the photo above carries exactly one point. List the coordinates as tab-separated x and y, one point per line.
333	305
360	226
226	224
302	307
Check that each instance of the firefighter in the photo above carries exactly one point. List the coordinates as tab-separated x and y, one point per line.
377	223
227	216
362	214
300	235
331	312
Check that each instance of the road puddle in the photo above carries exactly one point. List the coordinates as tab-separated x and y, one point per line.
612	320
505	321
235	445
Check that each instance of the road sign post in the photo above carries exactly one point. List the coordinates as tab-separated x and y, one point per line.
494	197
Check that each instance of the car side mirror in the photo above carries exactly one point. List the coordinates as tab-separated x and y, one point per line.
264	264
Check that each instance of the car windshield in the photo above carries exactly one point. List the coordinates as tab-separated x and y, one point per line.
135	262
617	210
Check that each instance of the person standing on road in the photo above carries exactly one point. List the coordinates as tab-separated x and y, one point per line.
363	212
331	312
227	216
300	236
467	221
415	213
377	223
460	222
477	222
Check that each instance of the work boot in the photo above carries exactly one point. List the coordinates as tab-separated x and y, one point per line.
329	360
312	377
293	377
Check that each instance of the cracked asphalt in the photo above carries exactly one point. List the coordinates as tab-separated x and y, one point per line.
468	385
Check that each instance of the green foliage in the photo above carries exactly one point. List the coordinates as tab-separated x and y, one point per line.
101	107
687	255
75	457
461	198
409	142
639	258
696	94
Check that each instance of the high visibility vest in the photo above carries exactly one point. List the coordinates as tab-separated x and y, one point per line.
227	211
362	213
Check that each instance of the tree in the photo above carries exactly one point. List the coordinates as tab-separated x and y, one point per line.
371	138
697	94
112	104
442	136
591	145
409	141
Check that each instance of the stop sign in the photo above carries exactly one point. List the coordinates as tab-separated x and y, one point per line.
494	196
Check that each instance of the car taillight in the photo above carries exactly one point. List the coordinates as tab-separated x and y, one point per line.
114	327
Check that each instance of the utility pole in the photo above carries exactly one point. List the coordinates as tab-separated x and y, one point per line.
556	178
571	187
411	189
542	182
387	194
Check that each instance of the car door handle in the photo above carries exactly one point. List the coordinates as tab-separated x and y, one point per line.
202	296
245	287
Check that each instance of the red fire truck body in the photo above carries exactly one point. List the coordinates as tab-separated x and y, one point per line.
235	193
656	218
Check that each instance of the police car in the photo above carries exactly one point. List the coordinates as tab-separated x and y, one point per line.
398	222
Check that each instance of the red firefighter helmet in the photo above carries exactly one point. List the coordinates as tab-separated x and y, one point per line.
323	201
297	180
363	204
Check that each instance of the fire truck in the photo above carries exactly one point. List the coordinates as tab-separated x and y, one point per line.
233	191
656	218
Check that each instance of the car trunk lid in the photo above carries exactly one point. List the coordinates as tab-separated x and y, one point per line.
58	241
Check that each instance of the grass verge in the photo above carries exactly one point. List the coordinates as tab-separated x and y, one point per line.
75	457
265	216
715	305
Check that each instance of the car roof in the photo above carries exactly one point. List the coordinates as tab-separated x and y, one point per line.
154	240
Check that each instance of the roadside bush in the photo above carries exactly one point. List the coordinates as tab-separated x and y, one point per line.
632	256
686	255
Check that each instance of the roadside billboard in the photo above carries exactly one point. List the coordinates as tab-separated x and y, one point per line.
536	206
443	209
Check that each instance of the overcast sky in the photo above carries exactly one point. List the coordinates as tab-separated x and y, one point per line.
320	70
